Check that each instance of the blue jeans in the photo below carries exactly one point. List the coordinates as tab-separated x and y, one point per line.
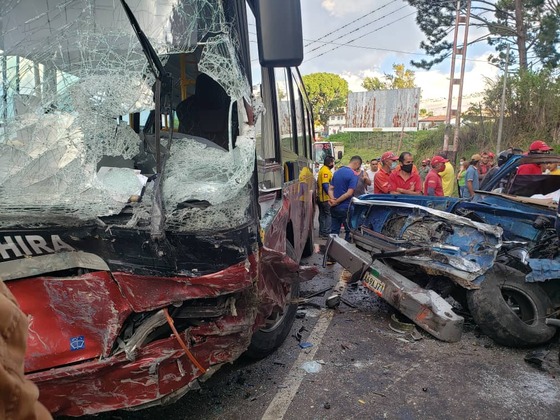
324	218
338	217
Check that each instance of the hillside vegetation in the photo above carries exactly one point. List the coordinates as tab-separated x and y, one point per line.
423	144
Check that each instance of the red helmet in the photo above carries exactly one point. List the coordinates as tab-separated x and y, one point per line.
539	146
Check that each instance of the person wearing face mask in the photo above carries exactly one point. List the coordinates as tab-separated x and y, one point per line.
324	178
341	190
381	181
404	181
433	184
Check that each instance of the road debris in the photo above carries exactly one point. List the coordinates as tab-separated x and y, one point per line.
312	367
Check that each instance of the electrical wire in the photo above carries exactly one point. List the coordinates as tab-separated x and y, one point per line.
361	36
350	23
360	27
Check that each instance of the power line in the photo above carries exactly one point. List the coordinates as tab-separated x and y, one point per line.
361	36
386	49
360	27
350	23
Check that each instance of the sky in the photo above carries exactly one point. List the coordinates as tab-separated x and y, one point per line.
384	33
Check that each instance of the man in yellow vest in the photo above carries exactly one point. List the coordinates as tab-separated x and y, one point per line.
447	176
324	178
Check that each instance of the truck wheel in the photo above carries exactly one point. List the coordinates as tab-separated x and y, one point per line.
279	324
509	310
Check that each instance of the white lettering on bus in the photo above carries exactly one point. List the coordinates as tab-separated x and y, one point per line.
30	245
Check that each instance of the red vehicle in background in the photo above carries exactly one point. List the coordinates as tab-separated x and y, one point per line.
152	214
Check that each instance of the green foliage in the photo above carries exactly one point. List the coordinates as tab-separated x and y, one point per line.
532	107
534	34
373	144
400	79
327	93
373	83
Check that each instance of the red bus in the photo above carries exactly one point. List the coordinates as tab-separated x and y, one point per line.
155	200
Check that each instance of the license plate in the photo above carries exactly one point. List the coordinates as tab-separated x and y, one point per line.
372	282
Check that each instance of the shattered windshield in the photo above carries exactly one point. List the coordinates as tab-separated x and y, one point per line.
73	77
322	150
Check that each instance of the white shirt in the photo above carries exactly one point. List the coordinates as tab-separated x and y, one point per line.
371	175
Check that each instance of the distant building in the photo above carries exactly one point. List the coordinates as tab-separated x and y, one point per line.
431	122
336	123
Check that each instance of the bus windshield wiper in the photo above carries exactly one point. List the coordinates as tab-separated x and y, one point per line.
163	82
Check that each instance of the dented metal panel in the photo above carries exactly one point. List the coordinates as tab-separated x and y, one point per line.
395	108
456	246
426	308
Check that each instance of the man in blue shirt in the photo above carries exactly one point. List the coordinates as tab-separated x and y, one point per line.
341	190
471	178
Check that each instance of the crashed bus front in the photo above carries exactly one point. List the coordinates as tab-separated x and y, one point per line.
132	226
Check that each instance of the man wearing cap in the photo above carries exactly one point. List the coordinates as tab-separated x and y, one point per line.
323	182
447	176
341	190
472	180
433	184
424	169
381	181
538	147
404	181
491	160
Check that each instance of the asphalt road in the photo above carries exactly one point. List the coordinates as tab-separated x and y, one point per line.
358	368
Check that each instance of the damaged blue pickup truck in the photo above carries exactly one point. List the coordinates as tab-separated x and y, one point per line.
496	255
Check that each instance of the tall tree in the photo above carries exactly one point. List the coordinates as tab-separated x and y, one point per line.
400	79
532	105
374	83
327	93
531	27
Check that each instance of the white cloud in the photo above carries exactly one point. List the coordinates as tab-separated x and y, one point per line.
346	7
435	83
370	46
355	79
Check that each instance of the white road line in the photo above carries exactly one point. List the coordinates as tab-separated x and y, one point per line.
283	398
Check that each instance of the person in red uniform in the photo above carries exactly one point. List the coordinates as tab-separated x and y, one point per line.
433	184
491	157
484	165
538	147
381	181
405	181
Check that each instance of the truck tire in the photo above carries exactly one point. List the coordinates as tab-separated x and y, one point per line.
278	324
509	310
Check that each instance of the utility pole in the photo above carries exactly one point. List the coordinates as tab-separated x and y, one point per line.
455	111
502	105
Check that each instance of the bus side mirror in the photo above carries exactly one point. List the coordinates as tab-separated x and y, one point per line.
279	32
339	155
